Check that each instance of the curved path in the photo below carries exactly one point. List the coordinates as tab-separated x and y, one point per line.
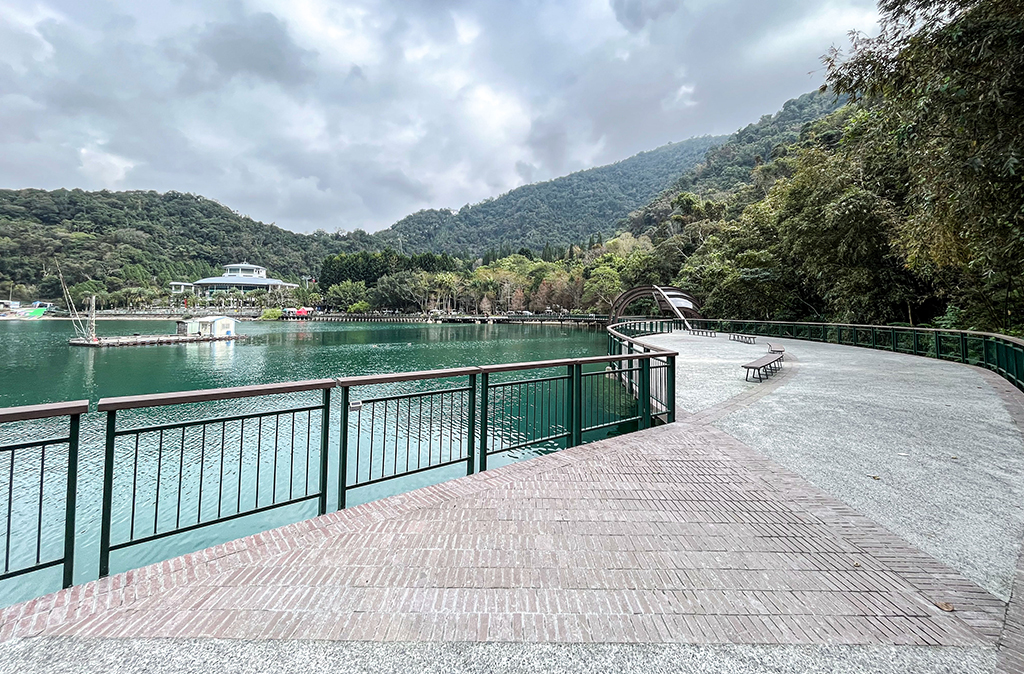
928	449
750	536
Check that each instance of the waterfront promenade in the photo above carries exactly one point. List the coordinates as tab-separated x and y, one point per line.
861	511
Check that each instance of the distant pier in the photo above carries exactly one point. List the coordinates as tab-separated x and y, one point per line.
149	340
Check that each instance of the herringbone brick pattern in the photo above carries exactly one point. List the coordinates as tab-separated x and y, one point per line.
677	534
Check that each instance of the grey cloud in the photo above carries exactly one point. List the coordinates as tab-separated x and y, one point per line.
549	141
258	45
635	14
253	109
526	171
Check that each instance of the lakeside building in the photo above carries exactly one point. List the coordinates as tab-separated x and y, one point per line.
209	326
244	277
180	287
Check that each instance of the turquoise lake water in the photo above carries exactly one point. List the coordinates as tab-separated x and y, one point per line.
38	366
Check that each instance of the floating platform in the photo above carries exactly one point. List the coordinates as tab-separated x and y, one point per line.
149	340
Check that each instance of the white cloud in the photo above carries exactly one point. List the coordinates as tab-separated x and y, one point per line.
21	42
828	24
103	168
343	114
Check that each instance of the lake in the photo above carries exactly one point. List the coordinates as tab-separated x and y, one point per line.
38	366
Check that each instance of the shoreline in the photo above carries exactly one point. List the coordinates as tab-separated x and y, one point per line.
144	317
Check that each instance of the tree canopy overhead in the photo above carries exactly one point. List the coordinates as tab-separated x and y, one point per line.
945	82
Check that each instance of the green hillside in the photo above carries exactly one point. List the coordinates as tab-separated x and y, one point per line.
729	168
559	212
117	240
139	239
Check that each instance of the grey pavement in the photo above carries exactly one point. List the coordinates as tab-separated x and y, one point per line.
159	656
924	447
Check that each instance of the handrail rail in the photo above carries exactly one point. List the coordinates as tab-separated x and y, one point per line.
45	411
1002	354
611	329
363	380
206	395
654	353
867	326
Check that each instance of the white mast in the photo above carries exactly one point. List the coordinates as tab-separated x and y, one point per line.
76	320
91	336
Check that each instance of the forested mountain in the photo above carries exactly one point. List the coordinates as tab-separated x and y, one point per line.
116	240
559	212
729	169
905	205
139	239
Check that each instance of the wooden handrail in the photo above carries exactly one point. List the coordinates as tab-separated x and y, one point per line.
528	365
46	411
364	380
184	397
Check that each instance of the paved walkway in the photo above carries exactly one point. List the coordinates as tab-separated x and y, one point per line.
676	549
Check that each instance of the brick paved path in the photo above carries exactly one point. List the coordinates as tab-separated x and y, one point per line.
679	534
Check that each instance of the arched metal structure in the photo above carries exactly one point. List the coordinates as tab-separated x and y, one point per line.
674	301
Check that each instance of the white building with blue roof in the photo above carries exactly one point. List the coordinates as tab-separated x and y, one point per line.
244	277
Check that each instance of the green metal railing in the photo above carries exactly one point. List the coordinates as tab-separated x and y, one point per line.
659	384
1000	353
170	478
165	473
28	478
384	437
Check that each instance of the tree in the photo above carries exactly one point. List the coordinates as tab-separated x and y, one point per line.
601	289
518	302
346	293
395	291
946	77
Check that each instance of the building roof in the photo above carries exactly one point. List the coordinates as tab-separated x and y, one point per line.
244	264
242	281
213	319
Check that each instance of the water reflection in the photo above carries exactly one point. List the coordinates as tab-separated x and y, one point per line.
37	365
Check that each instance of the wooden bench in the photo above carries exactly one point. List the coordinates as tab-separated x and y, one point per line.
747	339
776	348
703	333
764	367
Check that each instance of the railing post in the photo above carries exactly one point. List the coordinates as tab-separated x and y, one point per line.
471	458
892	331
343	449
106	515
963	347
484	396
577	404
916	342
69	503
645	393
570	405
670	385
325	443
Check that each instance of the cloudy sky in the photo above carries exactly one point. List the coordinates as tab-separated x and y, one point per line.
339	114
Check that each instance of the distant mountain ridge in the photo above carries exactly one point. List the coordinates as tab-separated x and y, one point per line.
729	167
559	212
118	240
